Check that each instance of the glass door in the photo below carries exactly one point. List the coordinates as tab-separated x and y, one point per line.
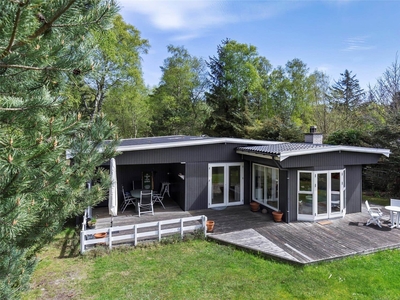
225	184
321	195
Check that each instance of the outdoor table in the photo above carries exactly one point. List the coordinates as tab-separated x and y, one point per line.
392	209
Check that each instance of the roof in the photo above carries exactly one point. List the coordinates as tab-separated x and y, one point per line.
284	150
163	142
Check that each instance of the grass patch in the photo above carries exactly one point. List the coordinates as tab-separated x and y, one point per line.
376	198
199	269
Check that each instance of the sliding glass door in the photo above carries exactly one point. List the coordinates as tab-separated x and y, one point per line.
225	184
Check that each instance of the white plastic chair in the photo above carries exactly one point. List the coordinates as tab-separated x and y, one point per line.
159	197
128	200
375	215
145	204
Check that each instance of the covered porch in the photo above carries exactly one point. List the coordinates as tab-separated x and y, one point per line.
296	242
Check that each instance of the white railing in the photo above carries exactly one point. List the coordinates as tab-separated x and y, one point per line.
155	230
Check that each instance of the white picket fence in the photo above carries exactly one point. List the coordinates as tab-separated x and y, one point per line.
150	230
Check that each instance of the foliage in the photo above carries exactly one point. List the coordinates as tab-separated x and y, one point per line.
346	97
385	175
201	269
42	45
386	92
350	137
116	85
177	104
233	82
275	130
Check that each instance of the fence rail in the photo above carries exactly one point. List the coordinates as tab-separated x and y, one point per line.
150	230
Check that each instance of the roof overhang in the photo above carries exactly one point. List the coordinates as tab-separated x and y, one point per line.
286	154
194	142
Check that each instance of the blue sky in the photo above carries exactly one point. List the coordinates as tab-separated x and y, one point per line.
330	36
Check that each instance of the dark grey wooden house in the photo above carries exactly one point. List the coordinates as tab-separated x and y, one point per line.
307	181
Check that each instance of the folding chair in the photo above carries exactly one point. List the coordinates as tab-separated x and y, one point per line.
128	200
145	204
375	215
159	197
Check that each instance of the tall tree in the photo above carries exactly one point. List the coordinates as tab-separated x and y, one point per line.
386	93
116	62
42	44
346	96
234	82
178	102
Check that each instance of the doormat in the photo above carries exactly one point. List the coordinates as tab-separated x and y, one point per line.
325	222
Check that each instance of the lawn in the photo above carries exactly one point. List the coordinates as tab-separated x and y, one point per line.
201	269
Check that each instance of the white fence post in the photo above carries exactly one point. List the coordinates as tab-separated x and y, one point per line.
82	241
110	238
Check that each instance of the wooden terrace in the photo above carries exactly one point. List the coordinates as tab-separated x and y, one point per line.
296	242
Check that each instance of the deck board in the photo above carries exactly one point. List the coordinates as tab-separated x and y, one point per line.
297	242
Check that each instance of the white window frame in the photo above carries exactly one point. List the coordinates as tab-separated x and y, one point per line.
255	193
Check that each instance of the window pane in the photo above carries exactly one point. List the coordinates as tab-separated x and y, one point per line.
218	185
266	185
234	183
322	196
305	204
305	182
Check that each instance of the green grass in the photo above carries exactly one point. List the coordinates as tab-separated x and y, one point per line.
199	269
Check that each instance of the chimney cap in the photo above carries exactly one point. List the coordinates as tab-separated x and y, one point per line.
313	129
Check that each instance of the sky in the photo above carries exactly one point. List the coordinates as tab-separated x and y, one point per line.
330	36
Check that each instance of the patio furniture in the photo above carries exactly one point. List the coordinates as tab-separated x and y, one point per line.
394	202
394	211
145	204
165	185
159	197
128	200
375	215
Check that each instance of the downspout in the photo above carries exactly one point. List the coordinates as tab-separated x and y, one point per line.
287	186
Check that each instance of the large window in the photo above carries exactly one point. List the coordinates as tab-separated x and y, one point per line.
265	188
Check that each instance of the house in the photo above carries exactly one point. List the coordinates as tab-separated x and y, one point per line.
306	181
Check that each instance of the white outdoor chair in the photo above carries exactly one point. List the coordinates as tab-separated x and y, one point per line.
375	215
159	197
128	200
145	205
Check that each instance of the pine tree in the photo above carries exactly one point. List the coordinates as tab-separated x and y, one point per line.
346	96
42	45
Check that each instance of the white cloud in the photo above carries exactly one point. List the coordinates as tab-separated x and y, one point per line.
177	15
190	15
357	44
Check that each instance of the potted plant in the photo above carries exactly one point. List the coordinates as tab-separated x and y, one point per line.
277	215
210	226
91	223
254	206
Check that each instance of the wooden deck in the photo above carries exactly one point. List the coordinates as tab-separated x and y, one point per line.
297	242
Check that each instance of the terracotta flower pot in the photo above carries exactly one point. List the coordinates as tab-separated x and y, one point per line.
254	206
100	235
277	215
210	226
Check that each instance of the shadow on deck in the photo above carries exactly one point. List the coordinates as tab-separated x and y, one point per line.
296	242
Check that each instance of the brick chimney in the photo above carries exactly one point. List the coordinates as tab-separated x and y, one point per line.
313	137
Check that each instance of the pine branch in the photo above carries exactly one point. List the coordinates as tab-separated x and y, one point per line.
32	68
14	32
82	24
46	26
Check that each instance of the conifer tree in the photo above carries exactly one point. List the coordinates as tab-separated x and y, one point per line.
42	45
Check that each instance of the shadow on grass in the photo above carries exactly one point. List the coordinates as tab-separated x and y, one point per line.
69	243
